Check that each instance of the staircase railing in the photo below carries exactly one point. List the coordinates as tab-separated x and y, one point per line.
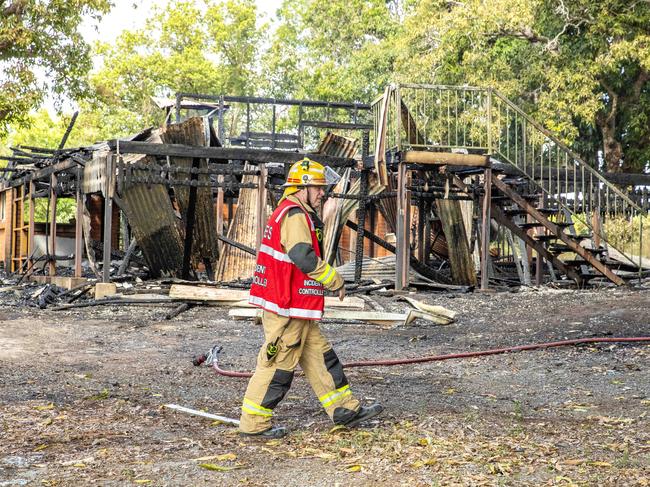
471	119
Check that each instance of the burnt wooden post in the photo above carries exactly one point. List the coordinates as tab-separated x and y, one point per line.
361	212
8	195
539	262
52	235
427	231
372	213
178	107
219	212
30	245
189	219
221	132
261	204
78	228
403	223
361	225
485	229
421	223
109	188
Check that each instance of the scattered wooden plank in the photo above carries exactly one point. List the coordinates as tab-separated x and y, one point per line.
238	296
201	293
445	315
178	310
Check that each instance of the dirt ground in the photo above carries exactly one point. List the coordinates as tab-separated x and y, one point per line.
81	395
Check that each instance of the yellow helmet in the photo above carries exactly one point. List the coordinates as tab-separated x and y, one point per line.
306	173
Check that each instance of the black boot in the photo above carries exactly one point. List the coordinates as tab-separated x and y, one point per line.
351	419
272	433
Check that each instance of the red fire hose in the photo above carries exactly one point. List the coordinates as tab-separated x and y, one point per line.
212	357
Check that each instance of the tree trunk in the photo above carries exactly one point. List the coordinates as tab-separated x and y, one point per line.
612	148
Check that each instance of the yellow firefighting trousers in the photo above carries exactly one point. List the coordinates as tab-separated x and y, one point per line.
301	343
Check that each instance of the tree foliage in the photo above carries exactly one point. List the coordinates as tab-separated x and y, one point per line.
335	50
580	67
193	47
41	51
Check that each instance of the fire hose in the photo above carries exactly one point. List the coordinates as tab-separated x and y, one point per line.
211	358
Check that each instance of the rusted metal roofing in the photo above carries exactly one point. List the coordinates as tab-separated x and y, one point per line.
235	263
195	131
337	146
153	220
94	173
382	268
336	211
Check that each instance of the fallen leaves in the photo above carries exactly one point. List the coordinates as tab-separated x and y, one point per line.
600	464
44	408
222	458
218	468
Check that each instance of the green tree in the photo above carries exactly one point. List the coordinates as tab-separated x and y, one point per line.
334	50
581	68
194	47
41	51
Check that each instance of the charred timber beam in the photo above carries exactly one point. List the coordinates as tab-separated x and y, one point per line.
237	245
189	221
623	179
336	125
18	160
40	174
224	153
14	169
275	101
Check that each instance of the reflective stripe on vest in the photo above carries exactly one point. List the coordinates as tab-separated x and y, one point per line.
295	312
281	256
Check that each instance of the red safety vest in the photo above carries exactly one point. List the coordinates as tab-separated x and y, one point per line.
279	286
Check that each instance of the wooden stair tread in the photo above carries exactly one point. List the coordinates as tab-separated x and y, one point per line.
521	211
559	249
528	197
528	225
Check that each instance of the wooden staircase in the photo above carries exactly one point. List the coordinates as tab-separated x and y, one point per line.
555	242
469	122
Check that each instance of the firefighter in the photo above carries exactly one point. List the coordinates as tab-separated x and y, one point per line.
289	282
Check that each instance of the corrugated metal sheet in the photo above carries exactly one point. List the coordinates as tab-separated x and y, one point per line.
335	210
153	220
94	172
382	268
195	131
235	263
338	146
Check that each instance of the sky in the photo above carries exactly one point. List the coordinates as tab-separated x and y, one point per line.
131	14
